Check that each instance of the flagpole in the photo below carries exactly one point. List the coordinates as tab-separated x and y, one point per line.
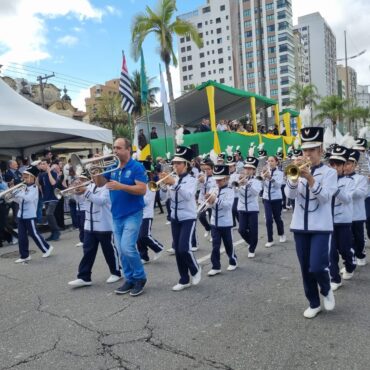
147	123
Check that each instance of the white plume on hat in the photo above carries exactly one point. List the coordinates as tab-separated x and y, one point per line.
261	146
329	138
213	156
338	136
290	148
179	136
251	149
229	150
237	148
296	142
168	155
137	155
362	133
106	150
279	149
347	141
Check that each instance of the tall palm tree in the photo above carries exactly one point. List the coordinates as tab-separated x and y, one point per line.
160	24
303	96
139	109
333	108
359	114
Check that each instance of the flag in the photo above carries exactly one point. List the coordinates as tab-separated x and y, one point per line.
143	80
128	101
166	109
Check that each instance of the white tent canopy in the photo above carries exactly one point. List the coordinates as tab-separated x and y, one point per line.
26	128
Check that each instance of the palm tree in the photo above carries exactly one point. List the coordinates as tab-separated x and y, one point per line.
332	107
159	23
359	113
303	96
139	109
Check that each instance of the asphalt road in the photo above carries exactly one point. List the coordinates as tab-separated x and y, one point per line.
250	318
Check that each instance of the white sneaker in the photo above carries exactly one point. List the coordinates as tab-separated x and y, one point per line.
179	287
206	234
213	272
48	252
144	262
329	301
310	313
335	286
343	270
157	255
168	222
79	283
14	241
361	261
171	251
113	279
232	267
22	260
194	249
195	280
347	275
282	239
79	244
251	255
269	244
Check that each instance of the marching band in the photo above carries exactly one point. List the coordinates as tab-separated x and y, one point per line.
117	202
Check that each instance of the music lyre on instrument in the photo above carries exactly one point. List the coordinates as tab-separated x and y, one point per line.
156	185
206	203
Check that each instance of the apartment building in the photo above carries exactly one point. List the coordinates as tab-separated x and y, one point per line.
351	90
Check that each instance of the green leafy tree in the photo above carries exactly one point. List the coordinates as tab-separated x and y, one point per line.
160	23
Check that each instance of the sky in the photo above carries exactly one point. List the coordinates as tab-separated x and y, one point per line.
81	41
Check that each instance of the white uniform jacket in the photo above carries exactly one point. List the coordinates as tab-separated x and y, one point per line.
312	211
359	196
342	203
149	199
222	208
81	204
182	195
98	216
234	177
272	187
27	200
205	187
248	196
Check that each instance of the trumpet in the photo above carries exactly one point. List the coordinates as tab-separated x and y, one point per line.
237	184
293	171
206	204
95	166
9	194
155	186
59	194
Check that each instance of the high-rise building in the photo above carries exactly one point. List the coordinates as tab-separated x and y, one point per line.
351	90
301	68
320	48
218	59
363	96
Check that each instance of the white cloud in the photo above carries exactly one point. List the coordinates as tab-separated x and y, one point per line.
78	100
349	15
29	42
67	40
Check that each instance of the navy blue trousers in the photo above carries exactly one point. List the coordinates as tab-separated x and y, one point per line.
248	228
222	234
25	228
146	240
204	220
182	235
358	239
367	206
283	201
235	211
90	248
273	212
81	224
313	255
168	208
341	244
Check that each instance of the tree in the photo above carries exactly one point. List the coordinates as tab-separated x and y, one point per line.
333	108
303	96
139	109
357	113
159	23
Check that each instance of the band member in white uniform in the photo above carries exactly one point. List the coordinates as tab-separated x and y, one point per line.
234	176
183	217
312	222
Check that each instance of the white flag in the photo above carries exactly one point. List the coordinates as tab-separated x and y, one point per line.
166	109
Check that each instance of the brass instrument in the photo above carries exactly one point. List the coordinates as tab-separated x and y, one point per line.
206	204
59	194
155	186
9	194
94	166
263	172
237	184
293	171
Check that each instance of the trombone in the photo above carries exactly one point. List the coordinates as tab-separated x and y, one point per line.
95	166
293	171
206	204
59	194
10	194
156	185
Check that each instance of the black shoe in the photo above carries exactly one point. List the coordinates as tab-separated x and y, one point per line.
138	288
125	288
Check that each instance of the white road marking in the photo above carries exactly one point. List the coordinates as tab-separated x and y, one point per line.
208	256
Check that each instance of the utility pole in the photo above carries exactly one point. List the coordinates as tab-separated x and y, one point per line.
42	86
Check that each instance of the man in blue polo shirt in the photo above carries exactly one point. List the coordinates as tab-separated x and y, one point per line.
127	187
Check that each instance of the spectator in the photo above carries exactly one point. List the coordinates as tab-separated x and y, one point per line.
13	177
221	126
204	126
142	139
153	134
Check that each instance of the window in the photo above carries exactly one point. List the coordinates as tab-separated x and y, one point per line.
199	25
284	70
221	71
207	9
203	74
281	15
209	72
270	39
219	41
187	38
190	68
183	59
248	34
218	30
283	26
222	80
250	65
272	60
284	81
190	77
247	13
201	55
188	48
273	81
189	57
206	33
218	20
249	54
269	6
201	35
183	49
271	49
219	51
251	85
271	28
220	60
212	41
202	65
182	40
185	78
273	92
284	58
184	69
248	44
273	71
247	24
250	75
222	8
270	17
